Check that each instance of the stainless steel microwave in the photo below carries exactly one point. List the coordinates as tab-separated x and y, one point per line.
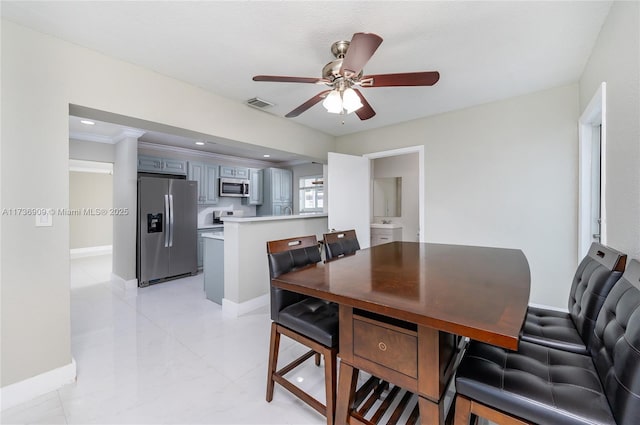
234	187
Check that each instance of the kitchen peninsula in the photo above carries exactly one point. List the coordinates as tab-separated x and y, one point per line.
246	271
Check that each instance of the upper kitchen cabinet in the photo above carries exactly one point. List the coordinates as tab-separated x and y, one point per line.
278	192
234	172
207	177
256	178
153	164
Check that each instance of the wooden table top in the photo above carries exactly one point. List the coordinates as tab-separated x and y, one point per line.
478	292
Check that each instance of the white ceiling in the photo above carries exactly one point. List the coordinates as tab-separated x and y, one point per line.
110	132
484	51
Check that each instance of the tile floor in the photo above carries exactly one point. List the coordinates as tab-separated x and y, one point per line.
166	356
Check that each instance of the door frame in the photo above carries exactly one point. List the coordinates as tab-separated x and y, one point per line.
594	115
419	149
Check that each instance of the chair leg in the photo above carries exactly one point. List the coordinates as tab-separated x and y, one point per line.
317	359
463	411
468	409
274	347
330	379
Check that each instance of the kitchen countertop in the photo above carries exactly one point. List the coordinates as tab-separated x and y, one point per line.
211	226
271	218
214	235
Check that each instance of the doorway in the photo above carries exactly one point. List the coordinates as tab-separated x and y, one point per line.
90	231
592	223
349	188
412	188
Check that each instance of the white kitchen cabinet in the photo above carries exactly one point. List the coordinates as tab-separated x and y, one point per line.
277	192
207	177
201	246
154	164
381	236
214	269
256	178
234	172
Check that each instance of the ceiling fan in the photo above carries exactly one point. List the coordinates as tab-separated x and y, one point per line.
345	72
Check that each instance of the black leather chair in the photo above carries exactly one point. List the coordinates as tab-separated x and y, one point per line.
547	386
339	244
594	278
307	320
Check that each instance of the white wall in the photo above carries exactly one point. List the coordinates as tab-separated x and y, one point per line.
502	174
616	60
90	191
41	77
125	200
405	166
246	270
91	151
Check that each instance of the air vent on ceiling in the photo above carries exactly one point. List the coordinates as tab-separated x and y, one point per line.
256	102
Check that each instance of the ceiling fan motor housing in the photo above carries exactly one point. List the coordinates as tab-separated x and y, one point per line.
331	71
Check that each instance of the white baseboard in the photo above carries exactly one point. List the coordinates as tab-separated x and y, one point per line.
90	251
548	307
30	388
130	285
232	309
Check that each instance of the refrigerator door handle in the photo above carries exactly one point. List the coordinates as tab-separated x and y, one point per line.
171	220
167	214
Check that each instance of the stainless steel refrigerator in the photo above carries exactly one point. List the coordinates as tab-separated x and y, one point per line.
167	229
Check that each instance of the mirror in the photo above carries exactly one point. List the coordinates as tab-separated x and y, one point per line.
387	197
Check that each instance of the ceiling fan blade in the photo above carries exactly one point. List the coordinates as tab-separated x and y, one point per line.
402	79
308	104
281	79
366	111
362	47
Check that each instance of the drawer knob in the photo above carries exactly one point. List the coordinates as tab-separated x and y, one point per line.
382	346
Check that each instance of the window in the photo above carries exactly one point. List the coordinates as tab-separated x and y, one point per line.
311	194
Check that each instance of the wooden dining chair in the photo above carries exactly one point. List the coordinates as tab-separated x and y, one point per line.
310	321
340	244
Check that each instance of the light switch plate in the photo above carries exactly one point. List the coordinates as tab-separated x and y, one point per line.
44	220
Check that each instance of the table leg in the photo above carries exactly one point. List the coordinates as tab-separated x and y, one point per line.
347	382
430	412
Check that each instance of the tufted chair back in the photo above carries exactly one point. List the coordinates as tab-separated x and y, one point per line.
615	349
594	278
284	256
339	244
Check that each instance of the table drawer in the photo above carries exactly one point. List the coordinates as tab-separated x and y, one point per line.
390	346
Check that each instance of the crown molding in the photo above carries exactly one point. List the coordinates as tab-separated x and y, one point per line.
255	163
128	133
90	137
111	140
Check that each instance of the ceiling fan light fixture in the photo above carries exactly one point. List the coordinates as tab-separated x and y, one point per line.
333	102
351	101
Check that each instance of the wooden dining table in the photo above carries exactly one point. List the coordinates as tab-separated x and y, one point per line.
405	309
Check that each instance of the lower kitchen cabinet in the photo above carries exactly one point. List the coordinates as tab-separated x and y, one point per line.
214	269
201	246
